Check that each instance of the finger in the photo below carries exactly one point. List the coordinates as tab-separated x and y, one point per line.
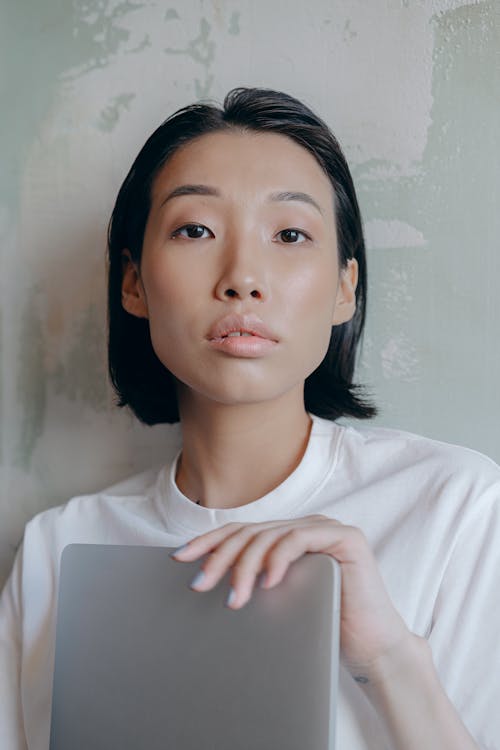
227	555
204	543
315	537
263	553
251	562
231	543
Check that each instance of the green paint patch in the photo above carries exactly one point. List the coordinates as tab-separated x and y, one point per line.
202	88
65	40
450	306
171	14
146	42
97	30
81	375
32	382
110	115
201	49
234	24
349	32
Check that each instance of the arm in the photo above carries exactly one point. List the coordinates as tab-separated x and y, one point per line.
405	690
11	722
393	666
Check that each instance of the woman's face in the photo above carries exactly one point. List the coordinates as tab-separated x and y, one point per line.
240	239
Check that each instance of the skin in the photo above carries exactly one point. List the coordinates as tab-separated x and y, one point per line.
238	413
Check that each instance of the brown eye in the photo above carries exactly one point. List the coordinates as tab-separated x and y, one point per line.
291	236
192	231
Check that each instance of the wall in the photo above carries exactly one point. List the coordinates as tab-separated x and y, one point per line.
411	88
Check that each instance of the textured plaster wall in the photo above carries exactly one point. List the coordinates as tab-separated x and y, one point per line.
412	90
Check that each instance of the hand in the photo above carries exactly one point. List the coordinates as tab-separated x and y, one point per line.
370	627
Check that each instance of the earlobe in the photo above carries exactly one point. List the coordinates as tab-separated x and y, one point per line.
133	294
345	305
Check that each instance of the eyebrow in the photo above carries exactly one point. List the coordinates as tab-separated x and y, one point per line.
191	190
285	195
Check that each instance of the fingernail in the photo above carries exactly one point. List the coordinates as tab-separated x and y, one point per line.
197	579
231	597
178	550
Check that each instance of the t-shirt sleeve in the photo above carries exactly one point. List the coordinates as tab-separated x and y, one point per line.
11	720
465	631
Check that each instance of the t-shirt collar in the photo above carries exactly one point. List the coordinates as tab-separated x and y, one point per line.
183	516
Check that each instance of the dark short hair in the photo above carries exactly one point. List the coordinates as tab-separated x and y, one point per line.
140	380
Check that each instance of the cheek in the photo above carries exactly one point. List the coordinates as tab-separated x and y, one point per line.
312	295
172	300
171	292
309	306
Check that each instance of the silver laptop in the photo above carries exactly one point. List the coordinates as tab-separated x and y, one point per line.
144	663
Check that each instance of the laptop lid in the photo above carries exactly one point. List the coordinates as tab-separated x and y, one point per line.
142	661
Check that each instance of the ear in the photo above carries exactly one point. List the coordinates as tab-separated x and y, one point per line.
133	294
345	304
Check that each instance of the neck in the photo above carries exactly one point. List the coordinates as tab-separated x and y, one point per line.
235	454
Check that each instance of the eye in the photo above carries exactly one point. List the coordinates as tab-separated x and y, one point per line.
293	236
192	232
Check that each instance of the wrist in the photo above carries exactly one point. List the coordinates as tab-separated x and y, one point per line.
410	653
404	688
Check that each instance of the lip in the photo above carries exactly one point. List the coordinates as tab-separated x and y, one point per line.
251	324
259	342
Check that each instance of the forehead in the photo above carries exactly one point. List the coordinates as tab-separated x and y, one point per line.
239	160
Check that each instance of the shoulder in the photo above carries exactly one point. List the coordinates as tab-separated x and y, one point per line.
93	517
405	449
120	514
368	457
424	468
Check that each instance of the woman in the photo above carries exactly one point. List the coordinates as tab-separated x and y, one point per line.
237	287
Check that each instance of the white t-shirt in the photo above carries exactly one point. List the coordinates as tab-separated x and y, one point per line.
430	511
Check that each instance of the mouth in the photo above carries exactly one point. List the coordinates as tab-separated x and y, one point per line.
240	326
238	334
242	336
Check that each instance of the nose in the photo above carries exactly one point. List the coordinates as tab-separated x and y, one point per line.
243	273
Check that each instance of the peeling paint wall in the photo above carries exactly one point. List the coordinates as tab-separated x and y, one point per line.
412	90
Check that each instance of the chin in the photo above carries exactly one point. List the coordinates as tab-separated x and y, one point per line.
239	392
249	382
241	396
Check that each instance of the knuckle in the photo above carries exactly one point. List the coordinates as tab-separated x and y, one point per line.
355	536
294	535
245	529
232	526
212	565
272	557
269	534
249	530
254	537
240	566
240	569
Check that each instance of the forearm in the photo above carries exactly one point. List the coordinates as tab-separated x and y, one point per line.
405	690
11	715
